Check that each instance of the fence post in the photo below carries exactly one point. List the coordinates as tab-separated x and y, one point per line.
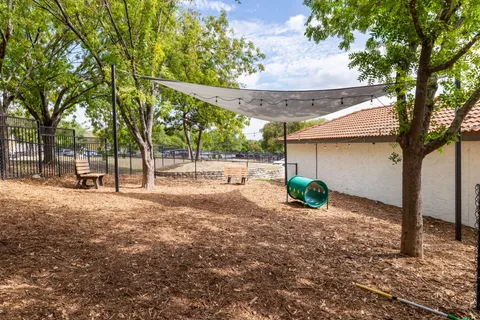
39	139
74	145
4	153
163	155
106	157
58	157
130	152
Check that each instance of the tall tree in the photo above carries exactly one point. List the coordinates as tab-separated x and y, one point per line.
412	44
204	51
21	27
64	78
132	35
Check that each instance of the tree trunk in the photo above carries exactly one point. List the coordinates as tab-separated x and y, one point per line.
148	165
48	138
199	143
412	221
186	131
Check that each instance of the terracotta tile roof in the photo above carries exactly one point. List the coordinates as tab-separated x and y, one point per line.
376	122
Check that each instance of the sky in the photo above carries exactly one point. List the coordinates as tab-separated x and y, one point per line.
292	61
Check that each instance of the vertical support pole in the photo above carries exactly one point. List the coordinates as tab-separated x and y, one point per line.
285	154
195	168
163	156
106	156
39	140
316	160
458	180
130	152
115	138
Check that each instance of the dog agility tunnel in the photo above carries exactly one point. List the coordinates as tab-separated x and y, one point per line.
313	193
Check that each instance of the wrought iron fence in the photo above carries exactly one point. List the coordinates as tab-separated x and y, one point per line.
26	149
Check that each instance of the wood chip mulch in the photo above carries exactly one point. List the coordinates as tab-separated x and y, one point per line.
208	250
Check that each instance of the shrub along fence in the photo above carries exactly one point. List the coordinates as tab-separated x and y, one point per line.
28	149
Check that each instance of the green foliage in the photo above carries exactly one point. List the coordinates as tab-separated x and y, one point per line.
252	146
80	131
273	130
22	29
399	31
204	51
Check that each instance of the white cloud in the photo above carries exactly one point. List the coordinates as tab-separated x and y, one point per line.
295	63
209	5
297	23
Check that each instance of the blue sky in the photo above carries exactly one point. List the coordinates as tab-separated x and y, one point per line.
292	61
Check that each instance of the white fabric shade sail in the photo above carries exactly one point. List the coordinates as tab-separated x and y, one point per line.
278	106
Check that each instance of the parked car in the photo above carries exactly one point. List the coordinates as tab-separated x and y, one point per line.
280	162
90	153
69	153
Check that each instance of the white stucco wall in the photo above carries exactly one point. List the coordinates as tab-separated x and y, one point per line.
363	169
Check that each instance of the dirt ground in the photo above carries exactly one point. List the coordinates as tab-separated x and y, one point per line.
208	250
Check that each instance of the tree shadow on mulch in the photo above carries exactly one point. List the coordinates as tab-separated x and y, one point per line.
206	256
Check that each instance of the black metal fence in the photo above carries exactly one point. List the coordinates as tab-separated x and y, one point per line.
26	149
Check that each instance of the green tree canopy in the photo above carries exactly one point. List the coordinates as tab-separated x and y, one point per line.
273	130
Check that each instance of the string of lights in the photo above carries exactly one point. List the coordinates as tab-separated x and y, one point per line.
261	101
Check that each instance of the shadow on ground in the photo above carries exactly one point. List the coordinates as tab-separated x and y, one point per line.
211	256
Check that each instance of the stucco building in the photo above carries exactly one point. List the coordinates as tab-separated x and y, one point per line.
352	155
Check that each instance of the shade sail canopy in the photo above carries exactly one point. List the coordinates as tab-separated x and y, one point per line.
278	106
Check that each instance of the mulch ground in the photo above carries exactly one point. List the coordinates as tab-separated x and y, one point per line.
207	250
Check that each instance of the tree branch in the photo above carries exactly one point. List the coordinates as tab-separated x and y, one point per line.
455	125
416	22
457	56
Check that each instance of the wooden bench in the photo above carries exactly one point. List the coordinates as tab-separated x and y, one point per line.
236	172
83	173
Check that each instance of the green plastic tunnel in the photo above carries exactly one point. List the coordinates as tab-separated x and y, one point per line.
313	193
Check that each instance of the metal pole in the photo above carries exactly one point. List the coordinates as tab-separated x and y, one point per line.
458	180
285	153
130	152
316	160
106	156
115	138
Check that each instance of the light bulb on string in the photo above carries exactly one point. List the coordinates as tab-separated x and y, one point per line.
336	146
